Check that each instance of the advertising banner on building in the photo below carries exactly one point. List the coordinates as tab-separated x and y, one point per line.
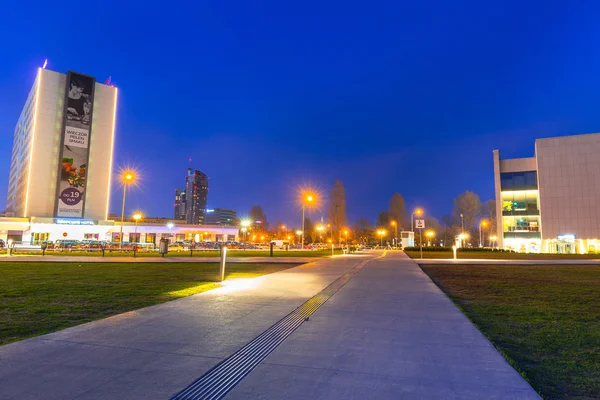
75	145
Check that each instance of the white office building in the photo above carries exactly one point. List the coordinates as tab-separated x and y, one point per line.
60	173
550	202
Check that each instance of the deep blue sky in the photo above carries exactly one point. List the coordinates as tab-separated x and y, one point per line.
265	96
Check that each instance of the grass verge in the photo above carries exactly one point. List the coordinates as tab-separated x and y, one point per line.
544	319
488	255
39	297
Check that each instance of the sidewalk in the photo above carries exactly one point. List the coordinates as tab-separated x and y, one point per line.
155	352
390	333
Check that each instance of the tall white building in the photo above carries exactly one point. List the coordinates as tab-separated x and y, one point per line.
550	202
62	151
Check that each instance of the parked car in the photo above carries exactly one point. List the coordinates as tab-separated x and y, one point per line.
68	244
177	247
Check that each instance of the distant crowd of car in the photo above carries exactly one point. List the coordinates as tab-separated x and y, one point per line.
98	245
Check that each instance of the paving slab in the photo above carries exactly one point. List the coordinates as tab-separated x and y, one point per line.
390	332
155	352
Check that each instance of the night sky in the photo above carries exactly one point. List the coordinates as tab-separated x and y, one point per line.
266	96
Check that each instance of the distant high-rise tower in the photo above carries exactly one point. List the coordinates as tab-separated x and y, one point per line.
196	192
179	204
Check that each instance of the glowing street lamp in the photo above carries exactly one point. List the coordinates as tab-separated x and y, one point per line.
482	224
320	229
493	240
245	227
307	199
381	233
395	225
429	235
127	178
418	212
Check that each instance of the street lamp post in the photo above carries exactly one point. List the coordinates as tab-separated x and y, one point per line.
127	178
309	198
245	224
395	225
346	234
429	235
482	224
320	229
381	232
492	241
462	227
418	212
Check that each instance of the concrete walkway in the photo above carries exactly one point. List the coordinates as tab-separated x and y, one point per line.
390	333
155	352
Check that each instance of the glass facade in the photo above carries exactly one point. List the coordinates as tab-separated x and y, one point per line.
522	202
520	211
518	180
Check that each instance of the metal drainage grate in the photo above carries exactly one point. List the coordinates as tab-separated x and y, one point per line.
223	377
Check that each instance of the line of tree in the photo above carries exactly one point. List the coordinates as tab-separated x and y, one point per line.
467	213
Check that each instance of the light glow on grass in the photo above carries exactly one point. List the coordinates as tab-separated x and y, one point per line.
203	287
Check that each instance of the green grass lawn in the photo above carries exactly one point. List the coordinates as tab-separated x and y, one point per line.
545	319
39	297
196	253
501	255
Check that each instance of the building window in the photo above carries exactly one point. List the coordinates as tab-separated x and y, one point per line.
520	224
180	237
134	237
518	180
39	238
151	238
91	236
520	201
116	237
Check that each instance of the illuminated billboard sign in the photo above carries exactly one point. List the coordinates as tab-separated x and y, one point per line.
75	145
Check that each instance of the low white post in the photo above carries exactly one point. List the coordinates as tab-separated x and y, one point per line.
223	259
454	250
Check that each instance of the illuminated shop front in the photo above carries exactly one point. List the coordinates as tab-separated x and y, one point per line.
38	230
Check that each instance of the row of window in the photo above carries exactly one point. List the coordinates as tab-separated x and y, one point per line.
518	180
520	224
520	201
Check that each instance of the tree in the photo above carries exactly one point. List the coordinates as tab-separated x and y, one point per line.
337	208
309	231
363	230
258	218
383	220
431	224
489	212
451	228
398	212
469	205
